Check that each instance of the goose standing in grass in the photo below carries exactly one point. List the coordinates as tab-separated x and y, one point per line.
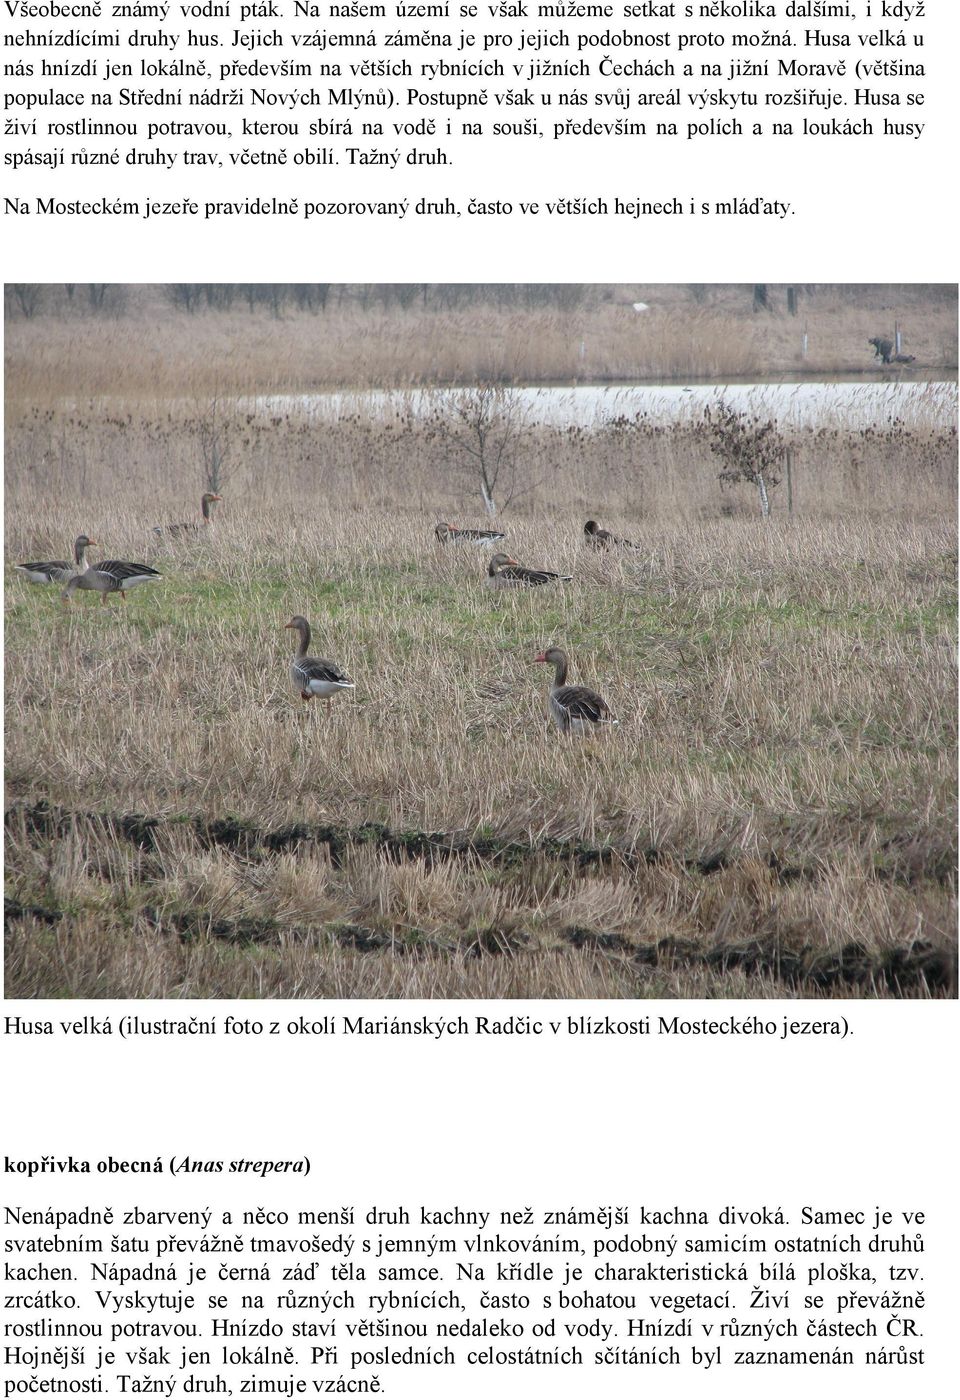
575	708
192	527
59	570
452	534
600	539
505	572
314	675
111	576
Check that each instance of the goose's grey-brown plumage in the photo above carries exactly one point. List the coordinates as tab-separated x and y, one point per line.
600	539
192	527
110	576
127	574
576	709
314	675
504	572
452	534
58	570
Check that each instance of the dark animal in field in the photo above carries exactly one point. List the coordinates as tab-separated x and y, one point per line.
575	708
314	675
883	349
904	359
452	534
110	576
505	572
192	527
600	539
58	570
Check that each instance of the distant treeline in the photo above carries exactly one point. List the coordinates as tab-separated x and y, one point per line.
279	297
29	299
110	299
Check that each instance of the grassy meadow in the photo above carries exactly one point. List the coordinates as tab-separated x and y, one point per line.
774	814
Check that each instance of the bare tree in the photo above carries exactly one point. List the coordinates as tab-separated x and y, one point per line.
219	295
214	435
483	429
750	448
185	296
28	296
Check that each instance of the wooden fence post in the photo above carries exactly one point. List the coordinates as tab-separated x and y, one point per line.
789	465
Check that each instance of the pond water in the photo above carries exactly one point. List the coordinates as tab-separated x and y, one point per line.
856	405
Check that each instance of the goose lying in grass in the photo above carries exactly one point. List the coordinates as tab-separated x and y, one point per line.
505	572
192	527
111	576
314	675
575	708
452	534
58	570
600	539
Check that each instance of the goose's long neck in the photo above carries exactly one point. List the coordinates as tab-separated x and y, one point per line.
205	508
79	553
304	631
560	671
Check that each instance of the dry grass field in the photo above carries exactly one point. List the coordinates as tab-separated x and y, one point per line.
773	816
140	344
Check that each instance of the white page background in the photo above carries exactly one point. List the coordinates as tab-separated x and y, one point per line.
553	1123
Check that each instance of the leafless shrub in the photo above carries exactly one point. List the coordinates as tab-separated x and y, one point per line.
750	447
215	430
481	434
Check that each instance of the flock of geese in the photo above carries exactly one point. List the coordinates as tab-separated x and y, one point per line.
576	709
109	576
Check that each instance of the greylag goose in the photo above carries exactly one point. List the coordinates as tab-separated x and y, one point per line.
192	527
58	570
452	534
111	576
505	572
314	675
575	708
602	539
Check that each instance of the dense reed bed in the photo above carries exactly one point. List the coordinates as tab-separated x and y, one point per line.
139	342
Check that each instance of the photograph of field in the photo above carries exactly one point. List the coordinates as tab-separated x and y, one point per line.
766	608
